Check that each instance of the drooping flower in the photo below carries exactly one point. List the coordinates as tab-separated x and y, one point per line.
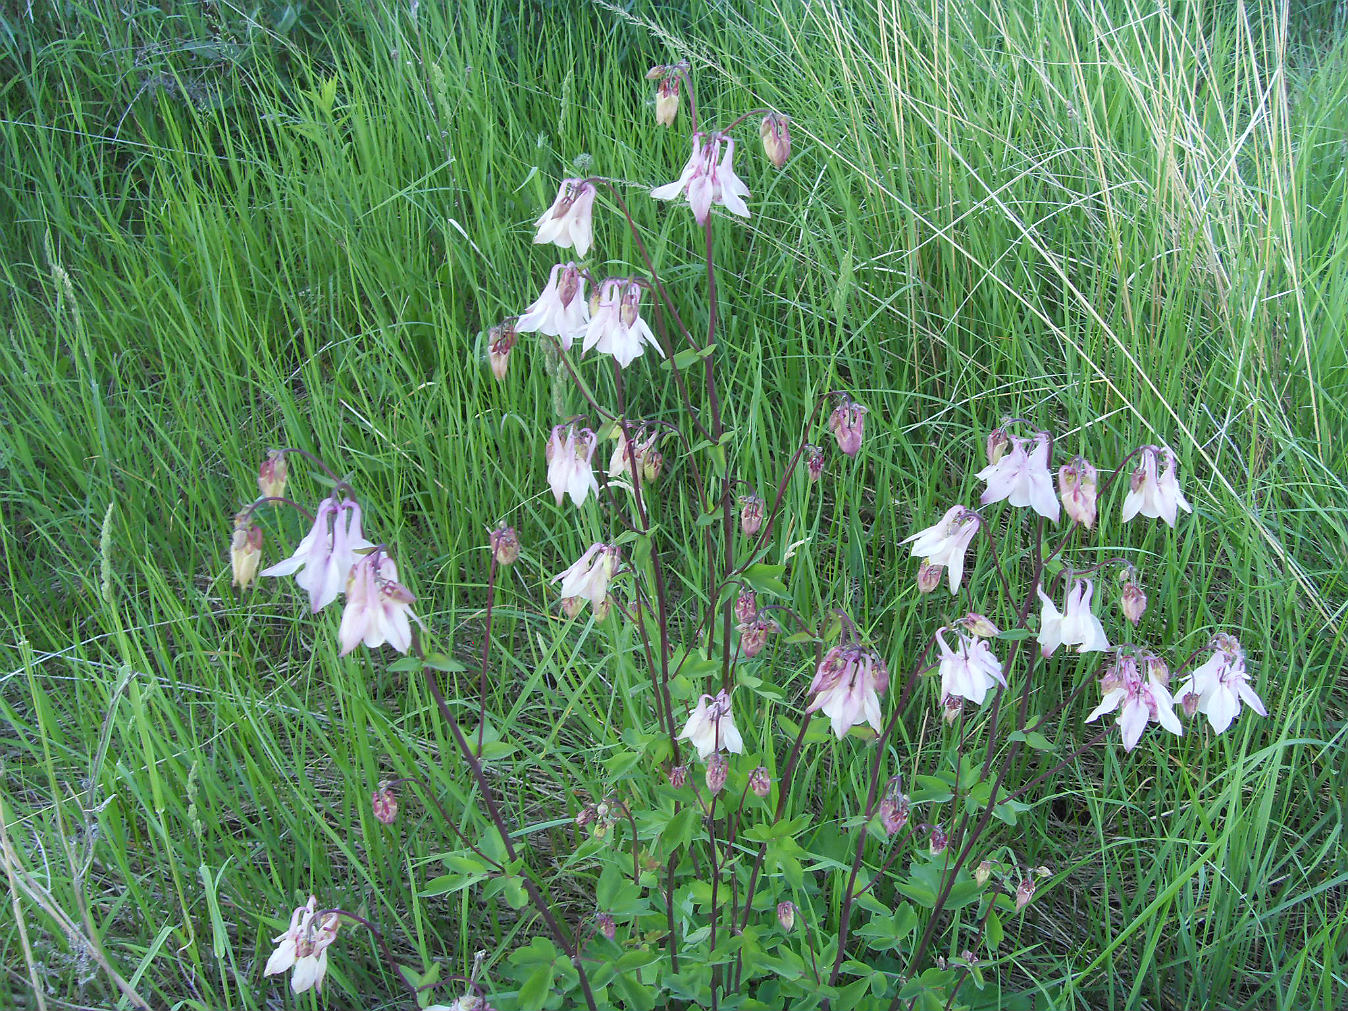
776	133
667	100
588	577
786	915
711	727
245	550
500	342
505	545
569	222
1022	478
1133	602
814	463
751	513
378	607
384	803
848	424
708	178
1143	701
1152	495
1077	487
642	450
945	542
1217	688
561	310
760	782
304	946
746	606
754	635
616	327
847	687
969	671
326	554
1076	625
570	471
271	475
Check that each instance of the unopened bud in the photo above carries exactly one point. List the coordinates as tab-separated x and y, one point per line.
678	776
760	782
505	545
656	72
814	462
717	770
754	636
1158	670
979	624
1133	603
385	804
666	101
606	925
585	815
271	475
848	422
983	872
939	840
1190	703
602	609
928	577
751	514
746	607
894	813
951	708
245	550
571	606
1024	893
502	342
786	915
1077	489
776	133
998	443
652	462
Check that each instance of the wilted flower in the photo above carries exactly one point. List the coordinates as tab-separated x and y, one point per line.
605	924
1077	487
776	133
505	545
970	671
751	514
814	462
894	813
760	782
708	178
847	688
945	542
746	606
1143	701
271	475
570	471
1022	478
500	342
848	424
754	635
667	101
570	220
998	443
1024	892
1158	497
562	310
385	804
1133	602
616	327
711	727
1220	685
377	606
939	840
717	770
1076	626
786	915
304	946
588	577
245	550
678	776
325	556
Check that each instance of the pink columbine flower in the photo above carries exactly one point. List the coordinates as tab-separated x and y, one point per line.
814	463
325	556
848	425
945	542
1142	700
1133	602
1077	487
562	310
847	688
588	577
1076	625
378	607
570	471
711	727
1022	478
708	178
1157	497
1218	687
304	946
970	671
384	803
616	327
570	220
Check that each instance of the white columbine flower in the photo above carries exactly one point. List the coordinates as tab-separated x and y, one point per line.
1142	701
377	608
945	542
304	946
616	327
1153	495
711	727
570	220
589	575
562	310
847	687
708	178
1022	478
1076	626
970	672
325	556
570	471
1217	688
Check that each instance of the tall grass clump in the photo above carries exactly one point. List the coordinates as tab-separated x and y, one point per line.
302	227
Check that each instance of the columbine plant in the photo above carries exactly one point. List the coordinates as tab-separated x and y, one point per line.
719	884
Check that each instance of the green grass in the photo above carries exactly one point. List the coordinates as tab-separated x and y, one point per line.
1124	221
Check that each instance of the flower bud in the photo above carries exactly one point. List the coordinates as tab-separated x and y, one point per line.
894	813
1134	602
1158	670
245	550
751	514
998	443
983	872
678	776
1190	703
606	925
760	782
1077	489
848	422
786	915
502	342
271	475
656	72
505	545
928	577
776	133
568	286
746	607
1024	893
571	606
586	815
385	804
979	625
667	101
603	608
754	636
652	462
814	462
951	707
939	840
717	770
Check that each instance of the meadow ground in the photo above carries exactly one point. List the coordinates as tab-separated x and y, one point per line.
224	231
